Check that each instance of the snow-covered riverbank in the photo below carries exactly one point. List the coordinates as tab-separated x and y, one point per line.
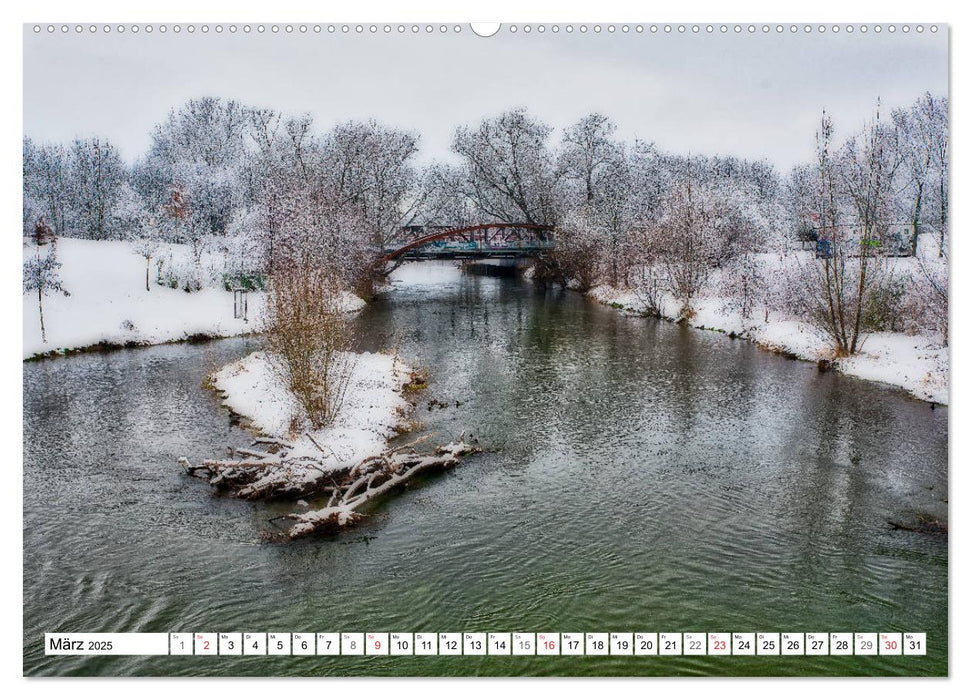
374	410
910	362
108	304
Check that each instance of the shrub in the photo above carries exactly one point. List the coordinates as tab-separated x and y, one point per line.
250	281
310	336
187	276
883	308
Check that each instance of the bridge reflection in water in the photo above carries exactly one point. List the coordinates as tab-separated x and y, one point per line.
495	240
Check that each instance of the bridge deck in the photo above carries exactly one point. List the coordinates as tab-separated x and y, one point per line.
494	240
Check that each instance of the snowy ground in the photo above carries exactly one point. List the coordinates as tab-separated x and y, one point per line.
910	362
373	411
109	304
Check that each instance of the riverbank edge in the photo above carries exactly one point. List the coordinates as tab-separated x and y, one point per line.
353	305
862	366
107	346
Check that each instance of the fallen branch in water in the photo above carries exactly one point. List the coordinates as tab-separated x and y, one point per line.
283	470
926	526
368	480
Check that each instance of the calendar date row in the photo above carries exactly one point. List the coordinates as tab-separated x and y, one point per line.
490	644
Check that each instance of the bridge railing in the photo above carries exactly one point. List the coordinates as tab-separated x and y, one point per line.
443	243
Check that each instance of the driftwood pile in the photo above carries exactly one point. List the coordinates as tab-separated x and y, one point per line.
283	469
371	478
275	471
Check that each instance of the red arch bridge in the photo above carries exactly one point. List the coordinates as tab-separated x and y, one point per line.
496	240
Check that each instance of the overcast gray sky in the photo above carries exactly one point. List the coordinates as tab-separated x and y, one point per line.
749	95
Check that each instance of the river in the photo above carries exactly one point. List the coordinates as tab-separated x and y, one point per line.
639	476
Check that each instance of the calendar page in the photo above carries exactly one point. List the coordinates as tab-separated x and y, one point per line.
496	349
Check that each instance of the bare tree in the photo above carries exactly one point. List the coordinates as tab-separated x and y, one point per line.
579	249
309	334
647	276
700	230
306	326
509	168
929	298
615	210
744	285
852	205
587	150
824	284
937	115
594	172
867	168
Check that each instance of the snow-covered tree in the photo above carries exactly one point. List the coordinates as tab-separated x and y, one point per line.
867	166
935	110
700	230
929	297
357	179
444	198
595	173
46	185
580	243
616	212
745	285
509	168
851	203
75	189
372	169
33	204
200	150
651	178
135	223
41	276
587	153
917	156
147	246
95	179
276	158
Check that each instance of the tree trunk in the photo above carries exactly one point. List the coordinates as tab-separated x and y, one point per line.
148	267
940	247
40	307
916	231
615	257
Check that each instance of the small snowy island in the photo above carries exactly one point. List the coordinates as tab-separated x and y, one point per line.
348	460
372	412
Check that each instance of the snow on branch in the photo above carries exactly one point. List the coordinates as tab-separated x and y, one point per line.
281	471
